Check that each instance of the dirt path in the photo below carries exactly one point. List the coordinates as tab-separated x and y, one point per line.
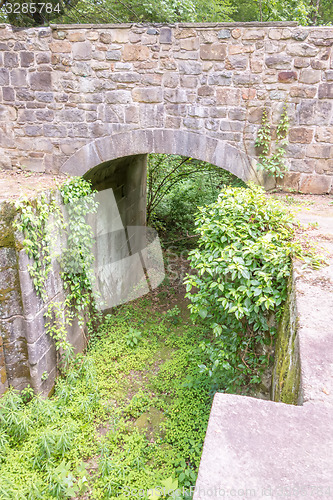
20	183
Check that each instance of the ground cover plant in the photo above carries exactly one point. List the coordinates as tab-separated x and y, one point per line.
124	418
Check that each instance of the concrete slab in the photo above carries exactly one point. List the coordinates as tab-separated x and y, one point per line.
256	448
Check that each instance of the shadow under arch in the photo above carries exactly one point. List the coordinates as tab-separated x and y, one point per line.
166	141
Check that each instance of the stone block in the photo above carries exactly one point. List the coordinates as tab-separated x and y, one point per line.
237	63
300	34
45	115
228	96
248	94
304	166
71	115
324	166
120	35
319	151
213	52
40	81
253	34
173	122
224	34
301	62
295	150
76	36
227	125
105	37
175	95
148	95
325	91
176	109
189	67
220	78
52	130
302	50
8	94
82	50
10	60
114	114
236	49
246	79
206	91
208	36
132	114
18	77
189	43
152	115
4	76
301	135
313	112
324	134
198	111
316	64
256	64
255	114
277	34
303	92
27	59
184	33
113	55
278	61
329	75
238	114
186	54
135	53
193	123
170	80
61	47
287	76
315	184
212	124
118	97
236	33
310	76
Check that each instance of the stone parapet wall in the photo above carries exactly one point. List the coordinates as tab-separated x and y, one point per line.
26	351
65	86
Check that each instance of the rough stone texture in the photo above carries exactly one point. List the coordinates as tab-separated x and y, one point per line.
132	74
259	449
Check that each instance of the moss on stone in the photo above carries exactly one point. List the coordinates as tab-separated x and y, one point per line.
286	374
7	215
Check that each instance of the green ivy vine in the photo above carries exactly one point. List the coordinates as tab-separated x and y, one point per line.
42	220
32	224
273	164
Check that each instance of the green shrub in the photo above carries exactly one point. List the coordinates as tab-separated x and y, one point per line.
241	268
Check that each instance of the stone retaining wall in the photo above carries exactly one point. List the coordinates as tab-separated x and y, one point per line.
26	351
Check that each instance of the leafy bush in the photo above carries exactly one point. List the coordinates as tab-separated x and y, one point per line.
241	268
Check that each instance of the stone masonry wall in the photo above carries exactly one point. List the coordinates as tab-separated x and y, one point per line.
64	87
26	350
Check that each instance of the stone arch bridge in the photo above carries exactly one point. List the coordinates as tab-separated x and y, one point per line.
81	98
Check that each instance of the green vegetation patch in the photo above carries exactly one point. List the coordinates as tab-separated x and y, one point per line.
125	418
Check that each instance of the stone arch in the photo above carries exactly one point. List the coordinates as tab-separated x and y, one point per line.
167	141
